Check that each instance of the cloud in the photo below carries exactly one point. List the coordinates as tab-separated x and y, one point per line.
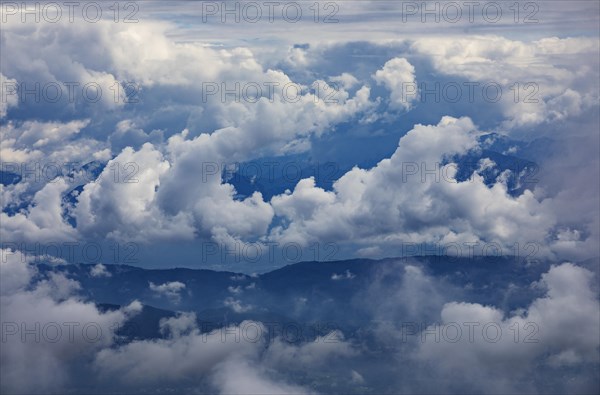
346	80
48	331
185	355
121	203
345	276
8	99
160	153
546	92
43	221
398	75
248	380
234	359
16	273
179	143
163	203
235	290
237	305
414	196
311	354
171	290
558	330
46	143
100	270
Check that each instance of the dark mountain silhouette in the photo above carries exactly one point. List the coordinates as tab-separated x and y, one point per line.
318	296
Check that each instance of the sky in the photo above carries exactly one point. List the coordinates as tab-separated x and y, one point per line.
162	99
246	136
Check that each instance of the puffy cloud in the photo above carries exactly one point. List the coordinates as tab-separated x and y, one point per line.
43	152
99	270
315	353
570	292
236	305
16	274
164	203
43	221
345	276
480	347
235	290
38	134
547	91
46	142
120	204
48	331
414	196
172	290
346	80
169	69
8	99
249	380
398	75
163	184
234	359
401	294
185	355
194	185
